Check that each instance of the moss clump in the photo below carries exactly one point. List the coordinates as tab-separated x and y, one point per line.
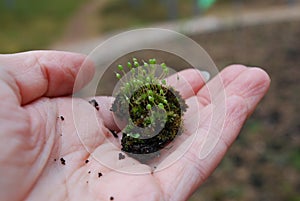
152	110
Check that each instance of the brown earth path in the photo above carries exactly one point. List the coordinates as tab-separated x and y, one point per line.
83	36
84	24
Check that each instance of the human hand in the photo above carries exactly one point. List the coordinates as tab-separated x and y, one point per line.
42	157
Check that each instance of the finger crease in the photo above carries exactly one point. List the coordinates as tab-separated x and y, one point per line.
44	73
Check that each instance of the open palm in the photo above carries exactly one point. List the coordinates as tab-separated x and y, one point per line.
42	157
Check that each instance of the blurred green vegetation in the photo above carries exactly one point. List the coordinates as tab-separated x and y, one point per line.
33	24
120	14
295	158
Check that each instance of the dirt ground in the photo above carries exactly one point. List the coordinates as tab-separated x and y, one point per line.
264	163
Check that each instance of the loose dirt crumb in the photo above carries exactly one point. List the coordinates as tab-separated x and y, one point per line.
62	118
111	198
121	156
87	161
94	103
100	174
89	172
63	161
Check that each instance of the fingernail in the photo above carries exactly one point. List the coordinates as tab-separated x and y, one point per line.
205	75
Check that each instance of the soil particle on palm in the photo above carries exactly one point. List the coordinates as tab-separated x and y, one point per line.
62	118
121	156
111	198
87	161
100	174
62	161
94	103
89	172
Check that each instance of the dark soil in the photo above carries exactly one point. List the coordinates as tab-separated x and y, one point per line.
264	163
121	156
165	130
62	161
94	103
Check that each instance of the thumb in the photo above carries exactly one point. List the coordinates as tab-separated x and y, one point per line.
44	73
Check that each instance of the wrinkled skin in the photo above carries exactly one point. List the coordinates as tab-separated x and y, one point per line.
34	89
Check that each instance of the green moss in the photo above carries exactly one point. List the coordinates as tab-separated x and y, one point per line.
152	109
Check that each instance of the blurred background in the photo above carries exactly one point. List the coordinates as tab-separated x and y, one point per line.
264	163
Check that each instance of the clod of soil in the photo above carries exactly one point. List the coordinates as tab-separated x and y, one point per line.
94	103
62	118
121	156
144	123
63	161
